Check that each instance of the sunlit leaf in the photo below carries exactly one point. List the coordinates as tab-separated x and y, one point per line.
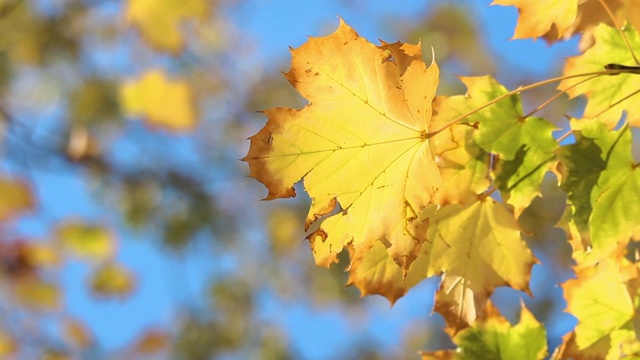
480	246
496	338
524	145
600	176
162	102
377	273
537	18
561	19
607	96
600	301
360	145
464	166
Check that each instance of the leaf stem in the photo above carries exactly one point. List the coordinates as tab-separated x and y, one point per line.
565	135
558	95
522	89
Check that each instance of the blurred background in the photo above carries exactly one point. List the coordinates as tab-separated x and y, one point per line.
128	225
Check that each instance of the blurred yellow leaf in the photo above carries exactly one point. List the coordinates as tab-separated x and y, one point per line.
152	341
92	242
40	255
55	355
159	20
284	230
37	294
162	102
15	198
112	280
8	345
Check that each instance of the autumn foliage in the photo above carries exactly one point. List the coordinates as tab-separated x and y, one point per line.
414	185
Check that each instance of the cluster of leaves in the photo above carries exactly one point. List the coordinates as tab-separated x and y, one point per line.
407	182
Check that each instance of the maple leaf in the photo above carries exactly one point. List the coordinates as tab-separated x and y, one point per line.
538	18
599	312
464	166
561	19
159	20
162	102
361	144
600	176
525	145
376	273
495	338
607	96
480	247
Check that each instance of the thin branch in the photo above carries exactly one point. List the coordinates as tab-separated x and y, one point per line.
619	28
618	102
539	107
565	135
519	90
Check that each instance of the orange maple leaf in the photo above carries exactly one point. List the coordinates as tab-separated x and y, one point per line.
361	145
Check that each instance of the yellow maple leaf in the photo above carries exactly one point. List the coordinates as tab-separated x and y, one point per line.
464	166
159	20
599	312
537	18
561	19
163	103
607	96
478	247
376	273
361	145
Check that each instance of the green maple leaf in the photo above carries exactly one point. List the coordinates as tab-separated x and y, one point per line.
495	338
602	181
599	312
524	145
